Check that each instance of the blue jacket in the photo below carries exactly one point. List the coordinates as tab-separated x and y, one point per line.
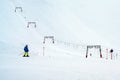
26	48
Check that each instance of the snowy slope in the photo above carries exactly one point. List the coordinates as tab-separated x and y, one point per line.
52	68
73	19
74	24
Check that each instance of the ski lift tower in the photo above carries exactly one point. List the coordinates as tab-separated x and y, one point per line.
93	46
18	9
49	37
44	41
31	24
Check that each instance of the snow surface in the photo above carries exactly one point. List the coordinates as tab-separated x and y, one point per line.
63	67
74	24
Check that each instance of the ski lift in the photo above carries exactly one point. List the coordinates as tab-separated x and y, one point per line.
18	9
31	23
49	37
94	46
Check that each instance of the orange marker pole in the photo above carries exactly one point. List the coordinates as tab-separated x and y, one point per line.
106	53
111	55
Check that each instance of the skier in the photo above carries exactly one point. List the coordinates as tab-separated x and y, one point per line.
111	53
26	51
